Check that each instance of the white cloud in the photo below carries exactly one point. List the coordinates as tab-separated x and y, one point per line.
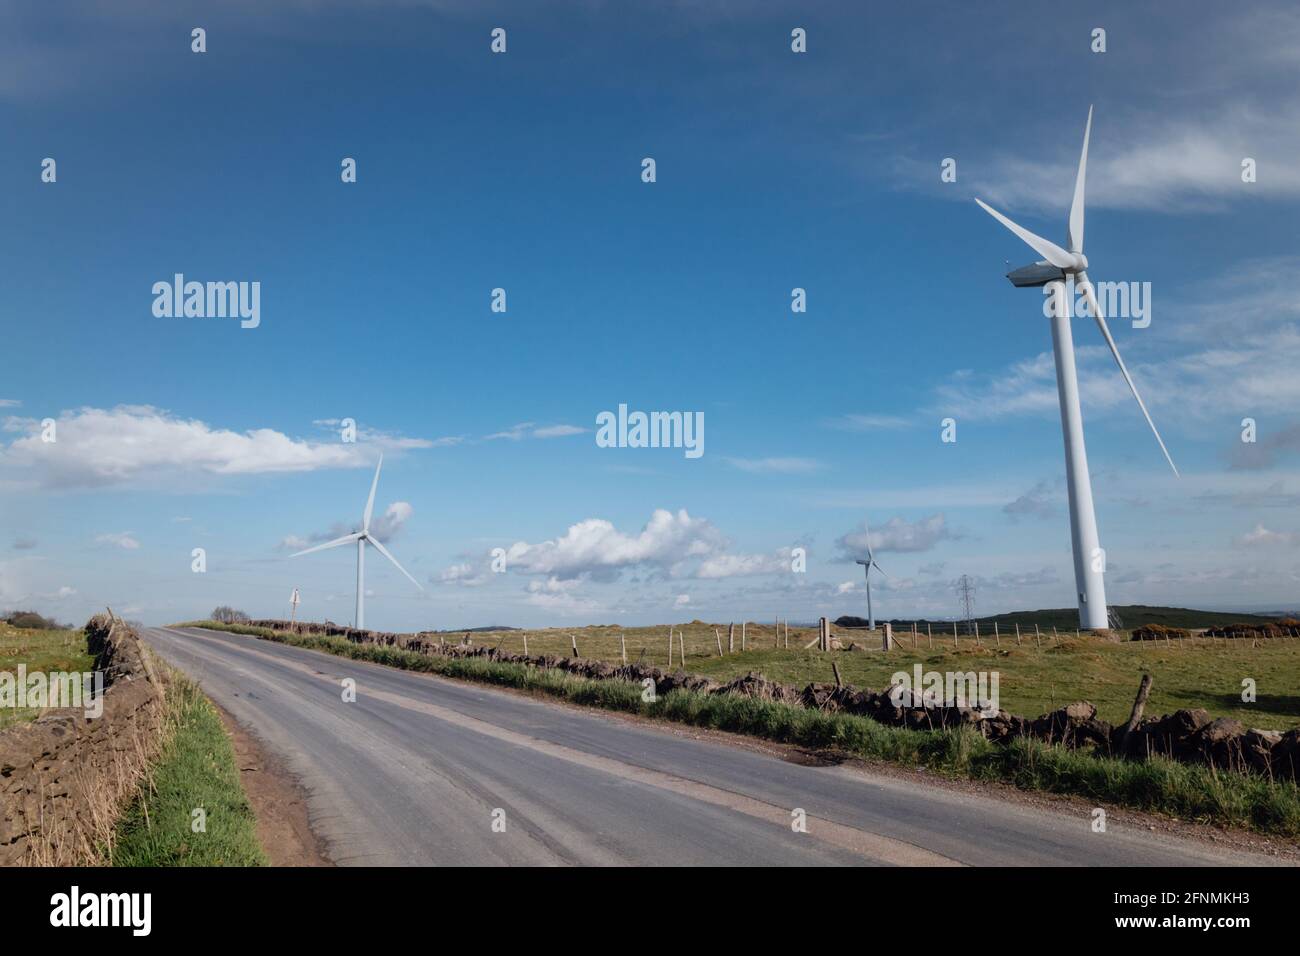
784	466
557	431
1149	162
743	565
122	539
675	544
391	521
1041	501
867	422
555	594
1262	537
530	430
387	440
682	600
139	444
1028	387
1184	388
384	527
896	535
596	547
464	574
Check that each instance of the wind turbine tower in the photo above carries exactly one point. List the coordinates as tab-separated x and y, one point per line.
867	565
1057	268
362	538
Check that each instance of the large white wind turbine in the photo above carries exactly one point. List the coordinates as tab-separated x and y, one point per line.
867	565
1057	266
362	538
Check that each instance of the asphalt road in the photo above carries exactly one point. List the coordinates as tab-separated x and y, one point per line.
419	770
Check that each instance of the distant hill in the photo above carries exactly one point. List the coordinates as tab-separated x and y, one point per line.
1067	619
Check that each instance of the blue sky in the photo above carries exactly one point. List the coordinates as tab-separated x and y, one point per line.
522	171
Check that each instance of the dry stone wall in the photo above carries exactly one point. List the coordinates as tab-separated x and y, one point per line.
65	776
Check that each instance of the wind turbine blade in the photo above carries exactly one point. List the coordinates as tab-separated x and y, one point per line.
1114	350
370	502
329	544
878	567
1076	208
1048	250
384	551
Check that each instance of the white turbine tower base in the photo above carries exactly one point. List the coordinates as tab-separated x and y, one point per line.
362	538
1090	583
1058	266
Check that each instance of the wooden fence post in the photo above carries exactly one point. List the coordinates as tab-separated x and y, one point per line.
681	639
742	637
622	646
731	638
718	635
1139	704
1017	634
929	633
670	647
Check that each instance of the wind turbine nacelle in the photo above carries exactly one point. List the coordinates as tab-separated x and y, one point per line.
1038	274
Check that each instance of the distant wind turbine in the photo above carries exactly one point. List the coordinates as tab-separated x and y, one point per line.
362	538
1057	266
867	565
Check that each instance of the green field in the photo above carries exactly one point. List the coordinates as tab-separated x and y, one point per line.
1033	679
1133	616
40	650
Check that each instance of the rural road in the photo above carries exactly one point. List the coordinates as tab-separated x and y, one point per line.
416	769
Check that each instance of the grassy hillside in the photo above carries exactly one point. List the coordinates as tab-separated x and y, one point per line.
1133	616
1067	619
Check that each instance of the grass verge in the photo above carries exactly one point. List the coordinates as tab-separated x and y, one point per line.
194	771
1184	791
